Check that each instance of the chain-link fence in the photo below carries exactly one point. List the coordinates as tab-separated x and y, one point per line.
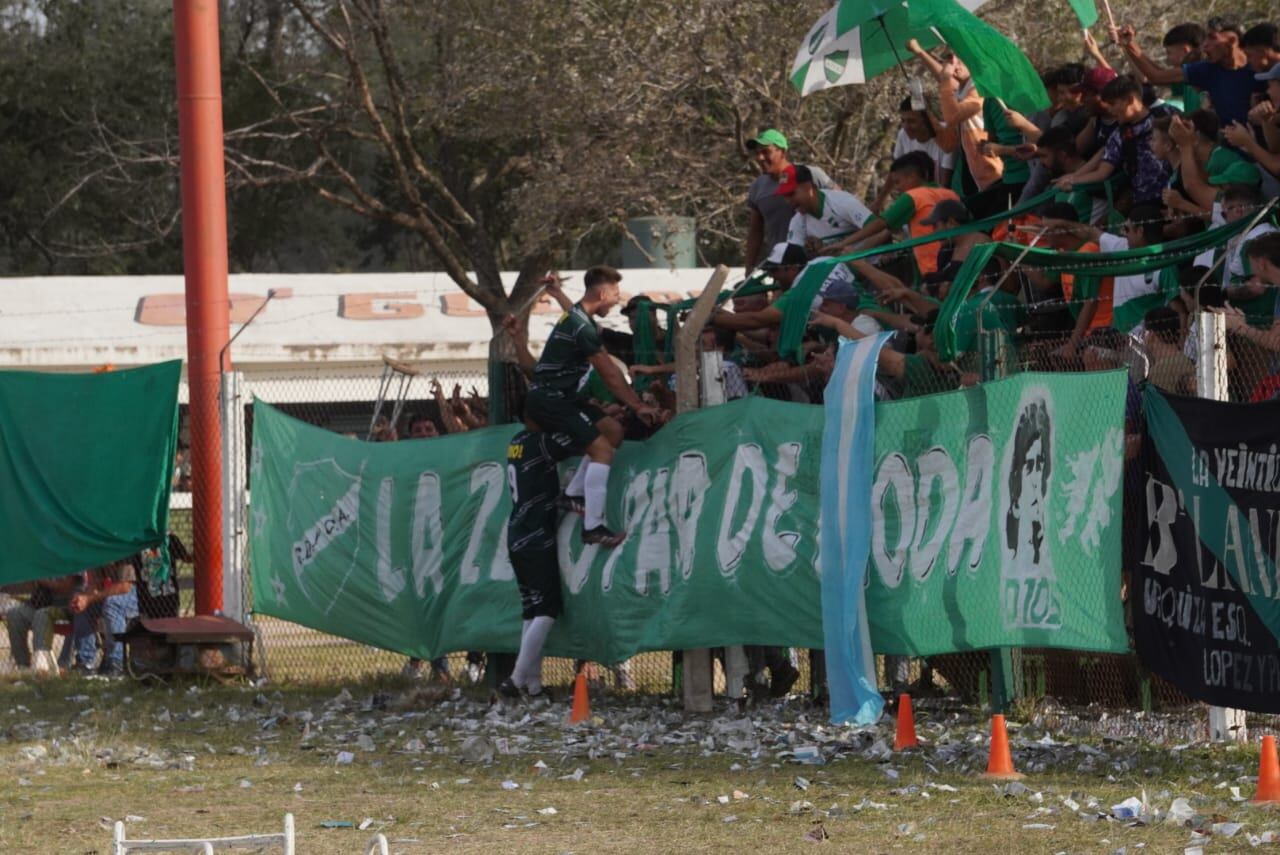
1007	340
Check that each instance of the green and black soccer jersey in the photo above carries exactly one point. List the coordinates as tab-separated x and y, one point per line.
564	362
534	483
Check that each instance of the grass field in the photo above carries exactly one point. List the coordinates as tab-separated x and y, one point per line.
195	758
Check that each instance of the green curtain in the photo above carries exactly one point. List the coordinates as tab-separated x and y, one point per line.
86	462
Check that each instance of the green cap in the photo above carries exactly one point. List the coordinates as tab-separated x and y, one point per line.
1227	167
769	137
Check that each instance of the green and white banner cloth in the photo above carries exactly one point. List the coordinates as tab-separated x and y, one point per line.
996	517
985	532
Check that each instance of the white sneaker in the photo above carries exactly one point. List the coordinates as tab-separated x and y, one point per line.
44	662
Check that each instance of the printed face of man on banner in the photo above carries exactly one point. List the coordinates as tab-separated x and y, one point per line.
1029	584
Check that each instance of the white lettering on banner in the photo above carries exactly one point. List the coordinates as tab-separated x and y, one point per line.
1162	512
340	517
1093	478
653	555
688	492
935	468
933	508
749	458
780	546
893	474
1259	552
635	503
391	580
1233	549
574	569
490	478
428	535
974	520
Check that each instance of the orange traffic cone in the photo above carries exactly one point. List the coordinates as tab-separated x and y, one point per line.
1000	763
1268	774
581	703
906	735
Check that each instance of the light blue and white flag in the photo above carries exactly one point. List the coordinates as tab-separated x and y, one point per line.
848	452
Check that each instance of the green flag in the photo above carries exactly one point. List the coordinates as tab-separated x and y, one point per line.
999	67
402	545
86	479
1086	11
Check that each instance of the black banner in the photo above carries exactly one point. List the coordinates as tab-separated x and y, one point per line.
1205	592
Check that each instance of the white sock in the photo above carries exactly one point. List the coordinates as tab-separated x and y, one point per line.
597	484
579	480
528	670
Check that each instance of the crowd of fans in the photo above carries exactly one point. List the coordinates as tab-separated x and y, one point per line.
1131	152
1128	155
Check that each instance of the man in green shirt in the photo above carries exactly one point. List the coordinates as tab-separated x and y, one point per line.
572	349
1207	167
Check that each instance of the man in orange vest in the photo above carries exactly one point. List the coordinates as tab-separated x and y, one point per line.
912	176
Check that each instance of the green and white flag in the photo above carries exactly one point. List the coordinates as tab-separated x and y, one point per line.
855	41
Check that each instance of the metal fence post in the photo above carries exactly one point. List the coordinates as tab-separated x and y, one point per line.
231	403
697	663
1211	383
713	393
1006	662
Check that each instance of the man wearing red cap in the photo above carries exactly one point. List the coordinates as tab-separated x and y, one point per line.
822	217
770	213
1093	136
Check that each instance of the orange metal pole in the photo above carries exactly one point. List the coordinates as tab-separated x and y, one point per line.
204	258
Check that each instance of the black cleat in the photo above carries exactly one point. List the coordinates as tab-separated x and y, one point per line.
601	536
781	680
571	504
508	689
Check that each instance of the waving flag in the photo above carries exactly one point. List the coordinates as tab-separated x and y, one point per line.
999	67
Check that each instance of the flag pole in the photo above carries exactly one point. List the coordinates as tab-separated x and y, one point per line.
1111	20
897	56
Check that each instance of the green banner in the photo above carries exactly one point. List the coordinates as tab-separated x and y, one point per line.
402	546
996	517
85	467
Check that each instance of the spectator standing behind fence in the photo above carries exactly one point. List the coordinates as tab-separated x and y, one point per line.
822	217
1223	75
770	213
961	107
37	616
1206	167
1265	117
110	594
918	131
1128	149
1170	369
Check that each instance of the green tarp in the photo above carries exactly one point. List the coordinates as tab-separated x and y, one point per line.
85	467
402	546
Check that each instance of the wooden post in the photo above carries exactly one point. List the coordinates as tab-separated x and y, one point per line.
697	663
1211	382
